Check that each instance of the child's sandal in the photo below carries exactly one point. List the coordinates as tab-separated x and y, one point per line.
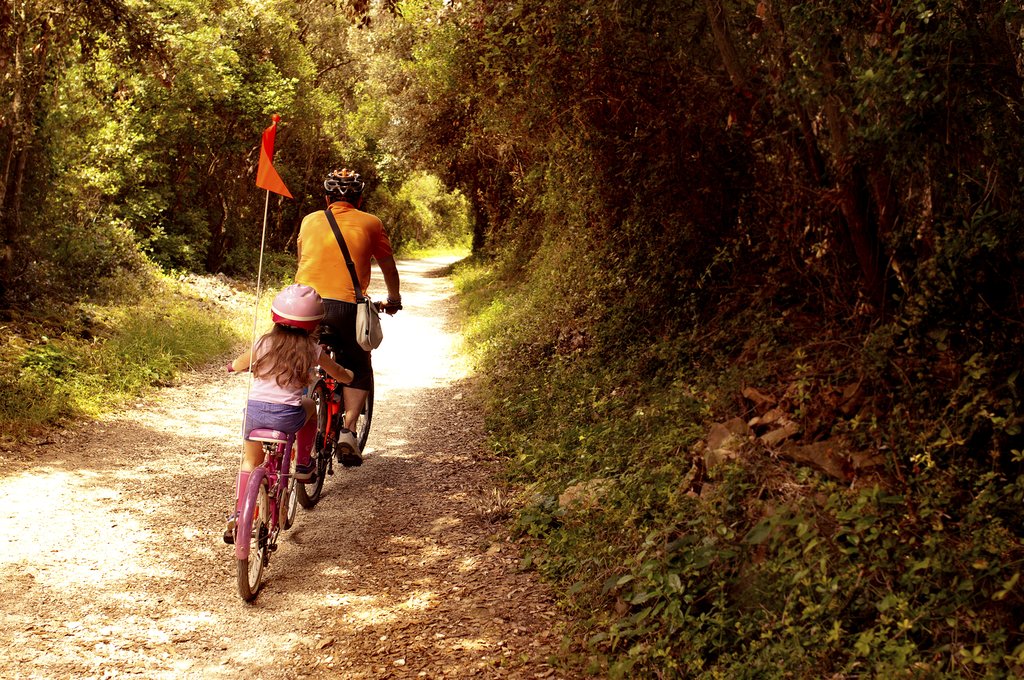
229	530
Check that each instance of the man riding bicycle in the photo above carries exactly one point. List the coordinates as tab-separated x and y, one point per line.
322	266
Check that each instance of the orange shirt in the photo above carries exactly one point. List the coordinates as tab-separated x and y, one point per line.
321	264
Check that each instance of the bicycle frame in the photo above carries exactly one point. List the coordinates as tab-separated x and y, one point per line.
278	448
328	399
335	406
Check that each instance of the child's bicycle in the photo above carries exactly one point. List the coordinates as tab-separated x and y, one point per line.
330	414
269	506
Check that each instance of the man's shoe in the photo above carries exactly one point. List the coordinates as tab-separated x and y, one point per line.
348	449
305	473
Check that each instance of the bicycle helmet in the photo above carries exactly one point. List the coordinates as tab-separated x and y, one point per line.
298	306
344	185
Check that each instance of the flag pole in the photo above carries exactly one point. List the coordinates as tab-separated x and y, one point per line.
259	278
252	341
266	178
263	236
266	160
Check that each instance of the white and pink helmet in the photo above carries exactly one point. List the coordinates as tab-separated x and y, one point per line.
298	306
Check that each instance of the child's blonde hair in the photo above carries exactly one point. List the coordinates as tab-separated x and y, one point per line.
286	356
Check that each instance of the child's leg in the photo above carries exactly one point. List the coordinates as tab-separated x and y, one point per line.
310	408
241	482
306	435
252	456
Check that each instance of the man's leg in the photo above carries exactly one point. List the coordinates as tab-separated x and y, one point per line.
341	318
348	444
354	400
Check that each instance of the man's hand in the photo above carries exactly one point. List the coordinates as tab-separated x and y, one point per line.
392	306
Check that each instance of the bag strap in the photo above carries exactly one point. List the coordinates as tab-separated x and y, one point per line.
344	251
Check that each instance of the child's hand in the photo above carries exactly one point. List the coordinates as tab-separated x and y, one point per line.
336	370
242	362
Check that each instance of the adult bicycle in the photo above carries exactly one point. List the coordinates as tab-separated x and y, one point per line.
328	398
269	506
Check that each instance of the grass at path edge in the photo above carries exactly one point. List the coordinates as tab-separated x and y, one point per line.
80	359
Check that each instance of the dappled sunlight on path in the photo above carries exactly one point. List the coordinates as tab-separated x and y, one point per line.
112	563
71	506
417	351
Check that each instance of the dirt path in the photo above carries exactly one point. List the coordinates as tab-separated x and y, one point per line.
112	564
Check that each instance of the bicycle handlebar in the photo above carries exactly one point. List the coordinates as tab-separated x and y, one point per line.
382	306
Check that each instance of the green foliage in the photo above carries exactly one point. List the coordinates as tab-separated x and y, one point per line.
105	353
758	570
135	137
815	198
422	214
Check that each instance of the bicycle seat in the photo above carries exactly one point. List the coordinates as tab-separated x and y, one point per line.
262	434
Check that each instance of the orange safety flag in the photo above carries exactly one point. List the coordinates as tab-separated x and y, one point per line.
266	177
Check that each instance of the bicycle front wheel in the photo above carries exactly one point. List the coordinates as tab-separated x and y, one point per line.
309	493
365	416
250	571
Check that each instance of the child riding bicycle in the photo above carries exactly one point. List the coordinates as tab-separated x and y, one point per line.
282	362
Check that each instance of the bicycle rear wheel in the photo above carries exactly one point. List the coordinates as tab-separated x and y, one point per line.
290	506
365	417
309	493
250	571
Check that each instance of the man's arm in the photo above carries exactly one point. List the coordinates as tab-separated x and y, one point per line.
390	271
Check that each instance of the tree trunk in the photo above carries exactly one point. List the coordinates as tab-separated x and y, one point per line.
6	229
216	250
481	225
11	221
805	142
724	42
853	195
478	207
861	231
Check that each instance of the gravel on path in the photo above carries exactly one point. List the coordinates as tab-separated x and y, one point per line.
112	563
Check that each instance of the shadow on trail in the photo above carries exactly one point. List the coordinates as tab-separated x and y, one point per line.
110	544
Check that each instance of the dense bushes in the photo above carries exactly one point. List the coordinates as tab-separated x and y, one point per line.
806	198
759	567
